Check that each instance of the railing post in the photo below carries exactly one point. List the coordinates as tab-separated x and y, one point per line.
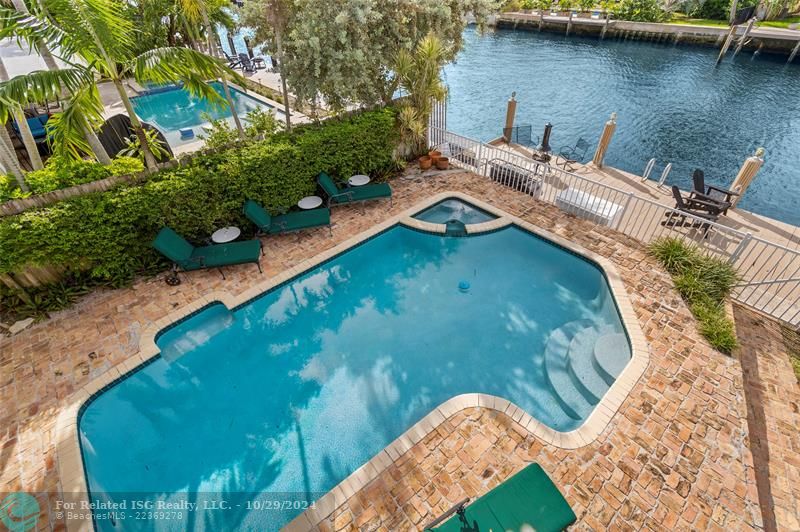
624	210
740	248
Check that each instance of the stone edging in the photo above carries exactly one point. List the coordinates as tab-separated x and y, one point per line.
70	462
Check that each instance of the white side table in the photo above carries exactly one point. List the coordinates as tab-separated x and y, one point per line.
310	202
226	234
358	180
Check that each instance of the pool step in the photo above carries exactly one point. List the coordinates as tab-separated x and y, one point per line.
556	362
581	366
611	354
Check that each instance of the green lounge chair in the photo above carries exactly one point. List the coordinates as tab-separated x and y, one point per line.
187	257
340	196
285	223
529	497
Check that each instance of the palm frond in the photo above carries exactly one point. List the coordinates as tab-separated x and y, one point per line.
96	29
41	85
29	29
67	129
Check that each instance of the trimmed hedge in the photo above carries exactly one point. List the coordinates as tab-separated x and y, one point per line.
108	234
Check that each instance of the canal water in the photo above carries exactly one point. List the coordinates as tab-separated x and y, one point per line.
672	104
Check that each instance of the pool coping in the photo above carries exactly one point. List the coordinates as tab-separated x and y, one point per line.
68	452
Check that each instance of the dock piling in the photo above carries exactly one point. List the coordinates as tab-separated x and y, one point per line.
743	39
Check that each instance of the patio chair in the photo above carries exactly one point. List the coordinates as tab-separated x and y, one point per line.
337	196
710	192
233	62
688	214
188	257
246	64
286	223
528	499
37	126
573	155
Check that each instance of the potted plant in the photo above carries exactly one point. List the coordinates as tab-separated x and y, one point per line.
425	162
442	163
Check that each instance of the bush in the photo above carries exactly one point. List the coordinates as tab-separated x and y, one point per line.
704	282
108	234
640	11
61	173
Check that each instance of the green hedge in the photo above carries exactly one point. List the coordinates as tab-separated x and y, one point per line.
108	234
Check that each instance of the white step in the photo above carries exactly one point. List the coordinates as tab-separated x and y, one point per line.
571	399
611	354
581	367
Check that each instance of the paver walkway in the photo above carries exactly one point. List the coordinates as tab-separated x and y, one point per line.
675	456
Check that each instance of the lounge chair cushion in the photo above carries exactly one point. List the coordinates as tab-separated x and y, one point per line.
257	214
294	221
529	497
365	192
173	246
224	255
327	184
181	252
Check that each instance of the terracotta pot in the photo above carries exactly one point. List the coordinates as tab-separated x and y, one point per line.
425	162
434	155
442	163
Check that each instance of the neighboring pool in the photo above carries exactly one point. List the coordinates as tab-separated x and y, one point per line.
673	104
454	209
173	109
287	395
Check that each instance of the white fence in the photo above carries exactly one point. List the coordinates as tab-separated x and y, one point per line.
770	272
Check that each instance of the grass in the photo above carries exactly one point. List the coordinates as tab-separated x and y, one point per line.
704	282
783	23
680	18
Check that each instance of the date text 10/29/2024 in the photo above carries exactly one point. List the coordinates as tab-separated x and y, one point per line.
166	510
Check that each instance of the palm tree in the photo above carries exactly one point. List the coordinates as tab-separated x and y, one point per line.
96	32
92	141
197	10
418	73
22	124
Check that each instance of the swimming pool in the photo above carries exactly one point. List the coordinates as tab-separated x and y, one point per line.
672	104
286	395
454	209
171	109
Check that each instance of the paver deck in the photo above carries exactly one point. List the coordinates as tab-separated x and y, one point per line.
676	455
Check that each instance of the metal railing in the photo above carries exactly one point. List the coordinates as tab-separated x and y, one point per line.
770	272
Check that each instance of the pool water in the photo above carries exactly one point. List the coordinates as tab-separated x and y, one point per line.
175	109
284	397
672	104
454	209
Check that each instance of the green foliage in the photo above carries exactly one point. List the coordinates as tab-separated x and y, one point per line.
63	172
345	50
260	125
108	234
714	325
39	302
640	11
133	147
715	10
704	282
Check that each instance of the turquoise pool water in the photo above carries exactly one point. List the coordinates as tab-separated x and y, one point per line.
176	109
454	209
672	104
284	397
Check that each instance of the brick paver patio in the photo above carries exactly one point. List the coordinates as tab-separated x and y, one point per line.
676	455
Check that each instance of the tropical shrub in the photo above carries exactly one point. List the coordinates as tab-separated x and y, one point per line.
63	172
704	282
640	11
108	234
